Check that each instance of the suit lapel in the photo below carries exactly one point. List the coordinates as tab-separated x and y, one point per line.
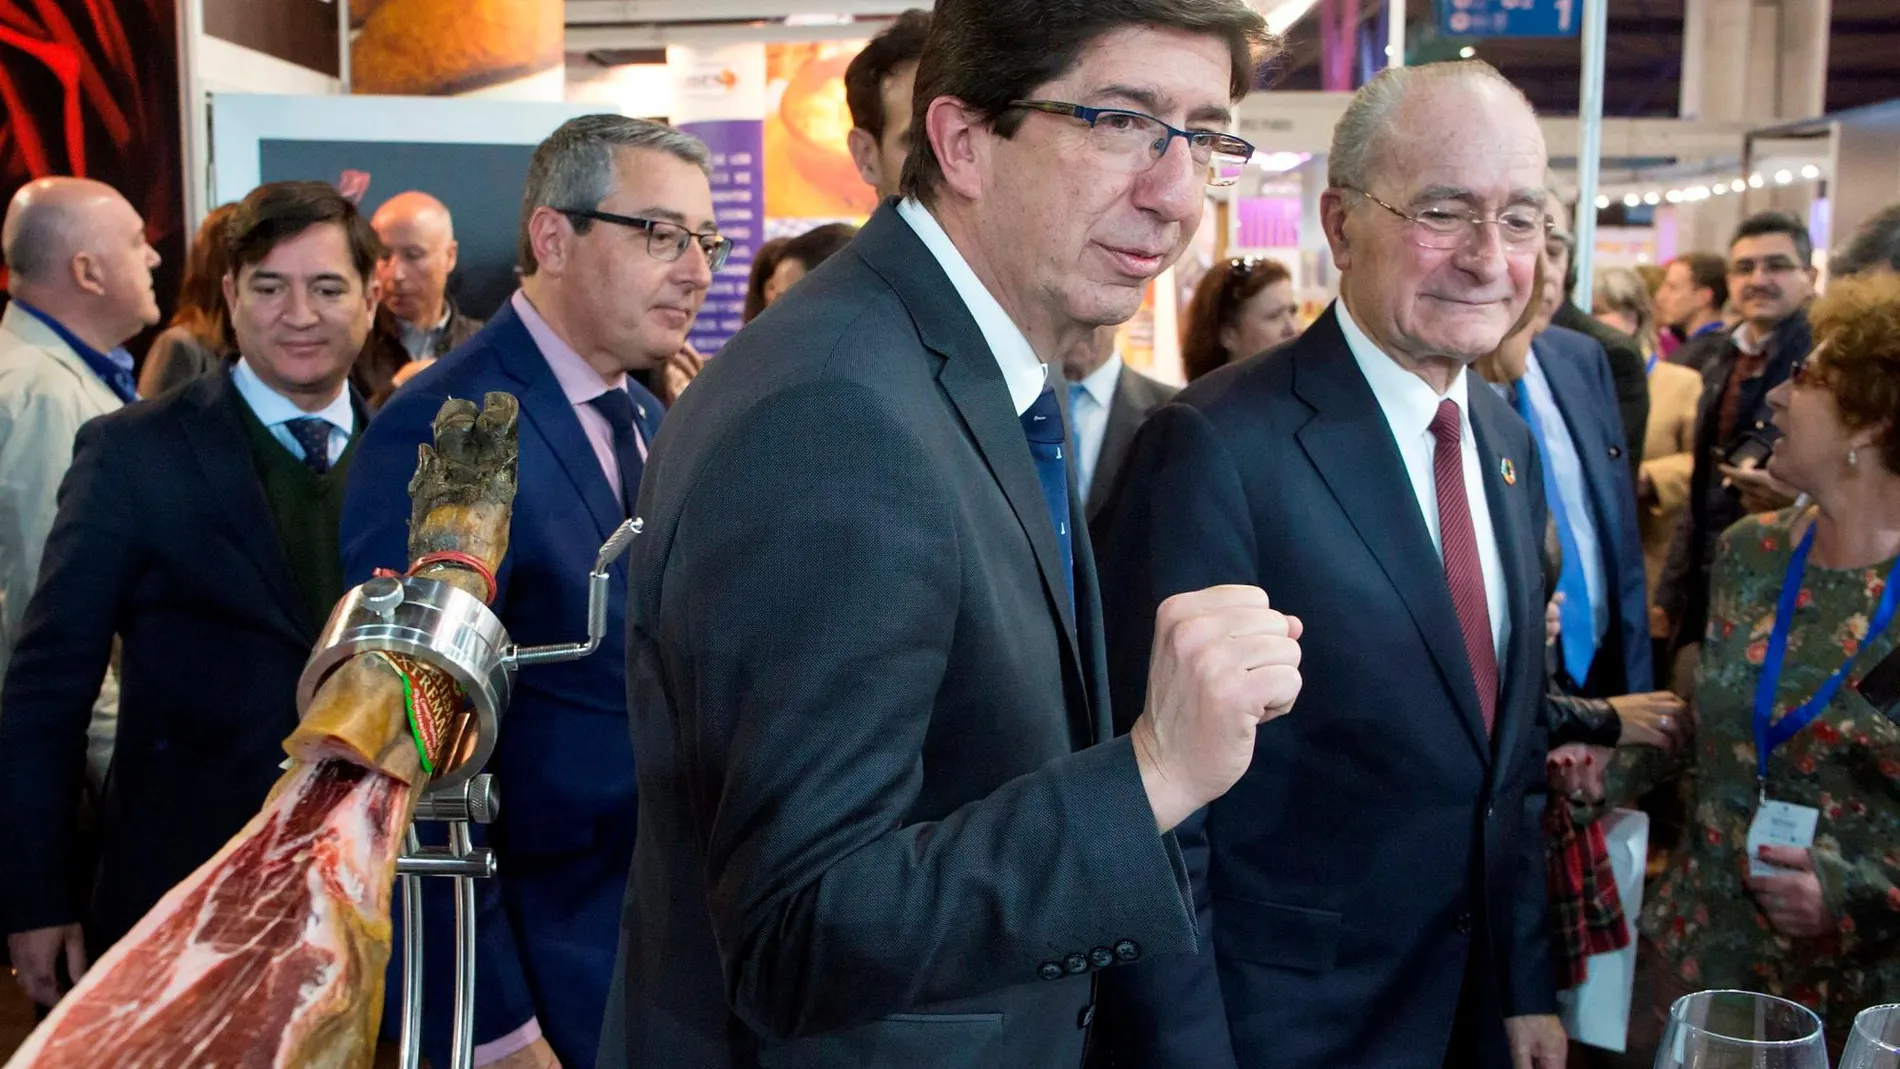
223	450
1351	445
1512	522
1123	417
974	384
547	409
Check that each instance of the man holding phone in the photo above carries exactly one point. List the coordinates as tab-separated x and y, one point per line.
1771	275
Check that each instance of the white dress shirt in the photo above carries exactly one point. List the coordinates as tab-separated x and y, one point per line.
1022	370
1410	405
1566	467
1088	417
274	410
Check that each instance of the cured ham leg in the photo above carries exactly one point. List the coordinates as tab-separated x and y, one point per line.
271	954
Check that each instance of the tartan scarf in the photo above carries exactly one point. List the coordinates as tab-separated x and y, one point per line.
1584	904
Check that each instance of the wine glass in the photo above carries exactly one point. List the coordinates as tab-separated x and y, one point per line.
1741	1030
1875	1043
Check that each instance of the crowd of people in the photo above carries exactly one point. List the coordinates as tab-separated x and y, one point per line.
973	698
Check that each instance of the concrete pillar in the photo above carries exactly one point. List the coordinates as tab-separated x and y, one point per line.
1781	77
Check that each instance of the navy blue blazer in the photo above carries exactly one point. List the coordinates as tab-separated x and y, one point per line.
1579	375
1382	852
563	764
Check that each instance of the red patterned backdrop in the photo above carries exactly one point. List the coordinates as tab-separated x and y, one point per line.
90	87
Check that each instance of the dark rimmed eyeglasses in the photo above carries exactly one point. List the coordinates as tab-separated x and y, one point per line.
665	241
1133	142
1443	227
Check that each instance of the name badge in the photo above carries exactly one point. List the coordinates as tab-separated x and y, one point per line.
1779	824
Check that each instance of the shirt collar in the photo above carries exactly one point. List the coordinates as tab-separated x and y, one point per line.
1100	383
273	409
118	358
580	383
1023	372
1409	403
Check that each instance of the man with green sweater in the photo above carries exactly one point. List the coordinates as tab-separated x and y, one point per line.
201	528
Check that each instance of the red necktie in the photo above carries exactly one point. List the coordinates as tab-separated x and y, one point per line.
1463	574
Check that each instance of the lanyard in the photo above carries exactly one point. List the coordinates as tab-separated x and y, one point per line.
1770	735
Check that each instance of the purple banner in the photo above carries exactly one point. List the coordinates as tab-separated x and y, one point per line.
738	193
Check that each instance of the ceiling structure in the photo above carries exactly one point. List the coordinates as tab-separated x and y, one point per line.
1642	76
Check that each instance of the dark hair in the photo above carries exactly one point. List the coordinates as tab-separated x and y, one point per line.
1875	244
901	42
201	309
1217	300
987	53
1858	319
1708	271
817	245
1762	224
764	263
276	212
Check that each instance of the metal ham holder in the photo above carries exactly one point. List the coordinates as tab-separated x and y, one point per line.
450	629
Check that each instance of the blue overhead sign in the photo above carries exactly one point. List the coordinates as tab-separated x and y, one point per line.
1510	18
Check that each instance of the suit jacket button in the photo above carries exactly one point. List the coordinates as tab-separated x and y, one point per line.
1049	970
1076	963
1127	950
1086	1017
1490	811
1101	957
1616	451
1462	925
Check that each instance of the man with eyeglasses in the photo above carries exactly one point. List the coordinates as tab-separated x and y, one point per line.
1771	279
618	246
1371	893
884	822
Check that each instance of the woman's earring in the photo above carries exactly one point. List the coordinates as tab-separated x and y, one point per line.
1853	458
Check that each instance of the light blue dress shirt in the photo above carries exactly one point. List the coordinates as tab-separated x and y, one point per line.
274	410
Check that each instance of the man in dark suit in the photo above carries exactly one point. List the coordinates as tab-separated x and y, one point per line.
201	529
1107	402
882	821
1569	400
1629	370
1372	892
618	245
1771	276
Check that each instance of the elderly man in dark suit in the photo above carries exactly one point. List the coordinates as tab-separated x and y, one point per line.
618	245
1107	402
200	528
1372	892
883	821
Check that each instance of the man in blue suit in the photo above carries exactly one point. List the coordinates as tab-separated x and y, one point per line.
1372	891
1571	404
618	245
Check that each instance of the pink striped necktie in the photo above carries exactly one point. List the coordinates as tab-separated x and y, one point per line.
1463	574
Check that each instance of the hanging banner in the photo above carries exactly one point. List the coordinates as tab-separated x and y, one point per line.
719	97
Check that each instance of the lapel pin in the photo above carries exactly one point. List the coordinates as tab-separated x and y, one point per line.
1508	470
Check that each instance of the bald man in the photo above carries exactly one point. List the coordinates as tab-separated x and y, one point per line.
418	321
80	274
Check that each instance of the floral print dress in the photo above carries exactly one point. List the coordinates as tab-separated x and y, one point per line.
1846	764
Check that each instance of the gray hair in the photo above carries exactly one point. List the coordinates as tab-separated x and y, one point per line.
1875	244
1621	289
1360	133
574	167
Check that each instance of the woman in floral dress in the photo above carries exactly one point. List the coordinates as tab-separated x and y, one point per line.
1825	929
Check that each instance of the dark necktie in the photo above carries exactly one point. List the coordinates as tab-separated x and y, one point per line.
1463	574
1579	641
1042	425
618	408
313	436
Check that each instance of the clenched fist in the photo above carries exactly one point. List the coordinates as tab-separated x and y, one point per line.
1224	663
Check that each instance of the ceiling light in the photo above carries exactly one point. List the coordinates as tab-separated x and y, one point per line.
1674	196
1467	52
1810	172
1737	186
1603	201
1755	181
1631	200
1783	177
1652	198
1698	192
